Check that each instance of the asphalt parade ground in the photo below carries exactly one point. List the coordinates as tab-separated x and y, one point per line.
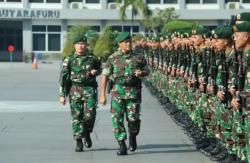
35	128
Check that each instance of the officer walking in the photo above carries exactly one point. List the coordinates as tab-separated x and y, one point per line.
78	81
125	69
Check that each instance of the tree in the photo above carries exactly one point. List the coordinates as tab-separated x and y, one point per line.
69	46
91	35
176	25
137	6
157	22
106	43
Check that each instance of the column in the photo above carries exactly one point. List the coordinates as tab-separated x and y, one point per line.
27	37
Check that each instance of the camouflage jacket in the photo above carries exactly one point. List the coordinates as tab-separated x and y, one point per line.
76	68
120	68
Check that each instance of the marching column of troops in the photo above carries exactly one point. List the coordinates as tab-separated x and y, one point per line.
202	78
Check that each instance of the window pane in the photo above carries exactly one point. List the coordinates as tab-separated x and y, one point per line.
2	43
39	42
14	0
2	31
96	28
92	1
54	42
19	43
113	1
53	1
38	28
36	1
209	1
116	28
135	28
10	31
246	1
153	1
192	1
10	40
126	28
54	28
232	1
170	1
75	1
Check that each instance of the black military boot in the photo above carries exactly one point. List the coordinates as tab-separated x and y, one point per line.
132	143
87	141
79	145
123	148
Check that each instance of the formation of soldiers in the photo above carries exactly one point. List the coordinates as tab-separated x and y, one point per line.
202	78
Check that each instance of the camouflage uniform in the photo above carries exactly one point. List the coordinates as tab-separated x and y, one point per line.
82	95
126	92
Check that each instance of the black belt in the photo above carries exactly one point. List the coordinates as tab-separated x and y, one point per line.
85	84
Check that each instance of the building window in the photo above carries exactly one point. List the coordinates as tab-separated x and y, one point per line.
75	1
36	1
170	1
46	38
192	1
39	28
153	1
127	29
92	1
96	28
245	1
232	1
209	1
54	28
116	28
14	0
2	43
54	42
39	42
53	1
114	1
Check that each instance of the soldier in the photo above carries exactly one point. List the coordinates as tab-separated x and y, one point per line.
241	125
126	70
78	81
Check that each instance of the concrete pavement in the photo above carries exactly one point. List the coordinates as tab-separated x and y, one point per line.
35	128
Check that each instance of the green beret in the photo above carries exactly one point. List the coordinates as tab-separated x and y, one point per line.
223	33
243	16
80	38
123	36
243	27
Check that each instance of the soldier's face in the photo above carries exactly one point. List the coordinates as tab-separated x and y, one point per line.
241	39
197	39
125	46
80	47
221	44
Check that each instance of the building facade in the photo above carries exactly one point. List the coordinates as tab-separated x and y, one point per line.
40	26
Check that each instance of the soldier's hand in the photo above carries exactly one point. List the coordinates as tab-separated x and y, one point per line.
62	100
93	72
138	73
220	95
235	103
102	100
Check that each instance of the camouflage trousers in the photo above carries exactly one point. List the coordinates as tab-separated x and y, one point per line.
131	109
83	110
248	136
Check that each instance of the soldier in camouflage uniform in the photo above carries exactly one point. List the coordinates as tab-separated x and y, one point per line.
126	70
78	80
241	109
